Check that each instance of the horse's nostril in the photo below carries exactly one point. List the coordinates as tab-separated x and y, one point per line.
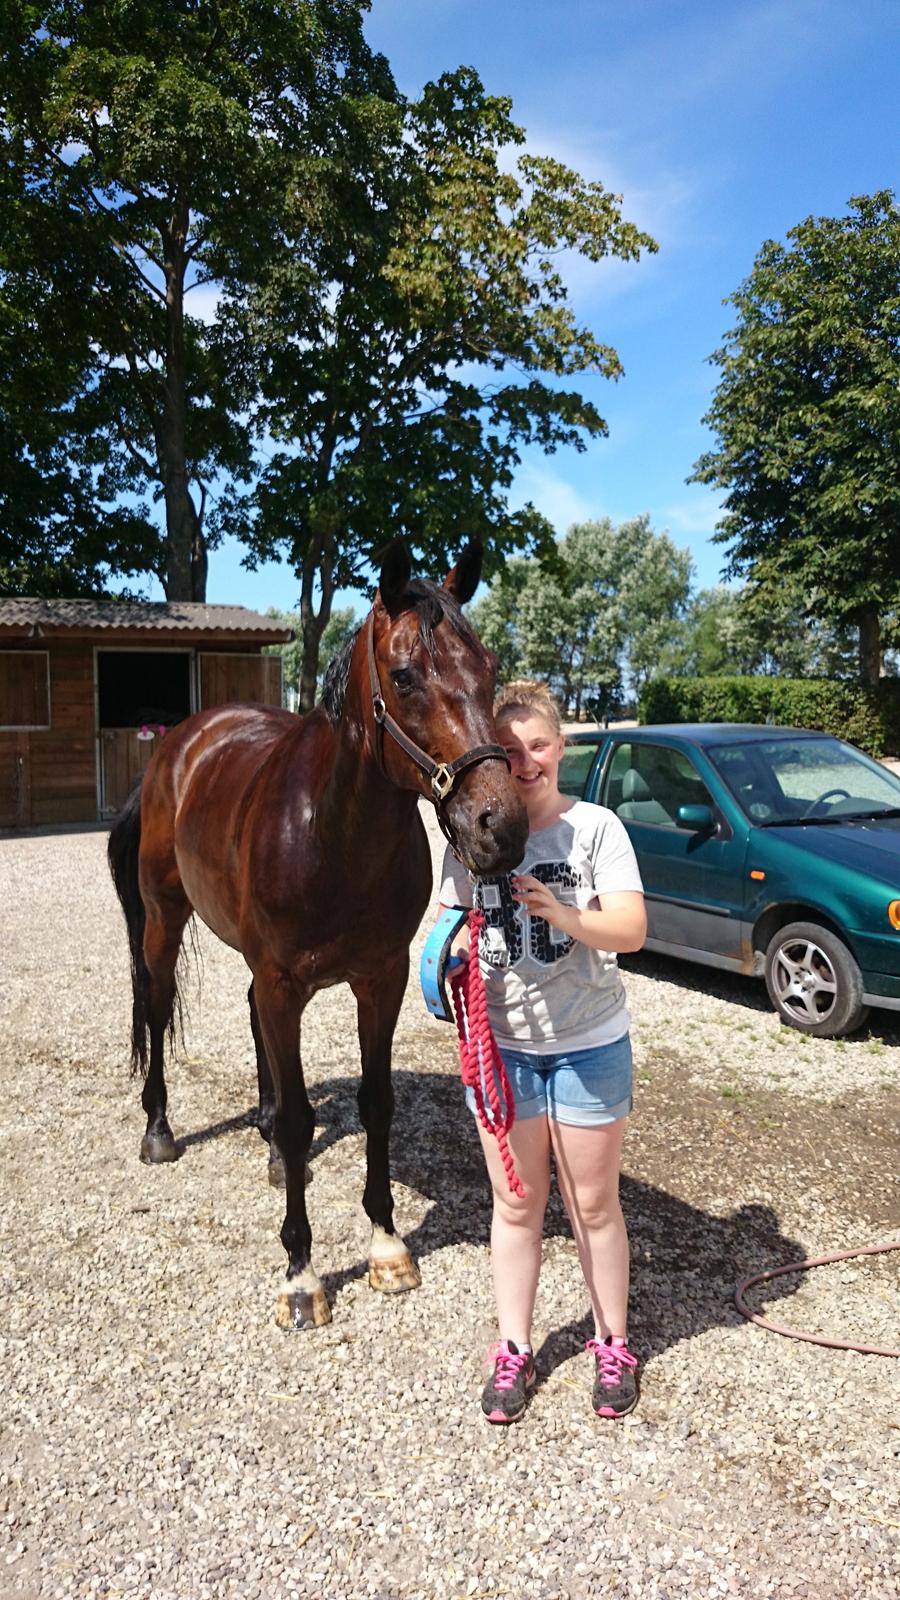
485	821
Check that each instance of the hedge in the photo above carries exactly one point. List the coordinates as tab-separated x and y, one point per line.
867	717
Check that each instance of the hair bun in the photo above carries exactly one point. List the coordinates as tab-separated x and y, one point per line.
530	697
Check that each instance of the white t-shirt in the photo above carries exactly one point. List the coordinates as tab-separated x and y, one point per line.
546	991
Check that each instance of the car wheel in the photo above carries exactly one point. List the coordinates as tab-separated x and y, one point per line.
813	981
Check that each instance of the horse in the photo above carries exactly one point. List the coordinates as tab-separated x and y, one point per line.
298	841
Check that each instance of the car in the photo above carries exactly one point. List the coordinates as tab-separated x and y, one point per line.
769	851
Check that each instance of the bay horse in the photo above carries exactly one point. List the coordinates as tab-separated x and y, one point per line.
298	841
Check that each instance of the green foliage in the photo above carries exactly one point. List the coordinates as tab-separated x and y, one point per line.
429	353
807	416
604	603
739	632
867	717
150	150
389	309
339	629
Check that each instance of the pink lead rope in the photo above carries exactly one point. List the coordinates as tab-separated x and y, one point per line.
480	1060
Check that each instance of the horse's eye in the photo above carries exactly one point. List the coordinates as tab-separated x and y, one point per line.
403	680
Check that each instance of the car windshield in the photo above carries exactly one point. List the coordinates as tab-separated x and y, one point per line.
812	779
575	765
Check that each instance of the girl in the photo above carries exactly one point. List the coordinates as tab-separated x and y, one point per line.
557	1008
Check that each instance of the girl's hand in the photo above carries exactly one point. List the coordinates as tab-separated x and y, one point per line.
540	900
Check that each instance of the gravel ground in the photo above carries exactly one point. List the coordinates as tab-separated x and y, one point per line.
160	1436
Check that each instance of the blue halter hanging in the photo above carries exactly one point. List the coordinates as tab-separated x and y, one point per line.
437	962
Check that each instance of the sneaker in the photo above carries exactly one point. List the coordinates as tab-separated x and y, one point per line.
615	1383
503	1396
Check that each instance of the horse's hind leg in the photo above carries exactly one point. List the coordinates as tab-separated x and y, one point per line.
391	1267
162	943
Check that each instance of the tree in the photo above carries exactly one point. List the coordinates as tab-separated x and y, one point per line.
438	347
341	626
807	415
148	150
740	632
391	327
599	610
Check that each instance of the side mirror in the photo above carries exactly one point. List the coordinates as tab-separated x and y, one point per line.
695	819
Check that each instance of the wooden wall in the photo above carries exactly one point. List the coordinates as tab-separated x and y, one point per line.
225	678
50	774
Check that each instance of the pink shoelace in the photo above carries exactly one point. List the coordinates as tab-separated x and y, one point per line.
508	1364
612	1358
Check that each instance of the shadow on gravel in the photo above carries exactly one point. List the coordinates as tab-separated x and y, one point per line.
217	1130
685	1261
734	988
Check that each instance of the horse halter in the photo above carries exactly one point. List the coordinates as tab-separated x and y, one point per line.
443	774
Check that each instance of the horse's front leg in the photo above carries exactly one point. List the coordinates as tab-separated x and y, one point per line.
279	1006
391	1267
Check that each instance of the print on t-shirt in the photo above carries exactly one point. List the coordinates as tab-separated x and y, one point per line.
510	930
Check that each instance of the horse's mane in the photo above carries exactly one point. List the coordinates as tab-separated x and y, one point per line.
431	602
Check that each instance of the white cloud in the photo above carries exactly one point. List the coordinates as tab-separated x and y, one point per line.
552	496
699	514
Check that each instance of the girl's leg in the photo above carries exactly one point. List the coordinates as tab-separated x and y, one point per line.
587	1165
518	1225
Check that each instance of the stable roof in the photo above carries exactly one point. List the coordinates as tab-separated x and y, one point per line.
27	618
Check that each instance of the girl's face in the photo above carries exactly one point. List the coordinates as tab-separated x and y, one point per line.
534	749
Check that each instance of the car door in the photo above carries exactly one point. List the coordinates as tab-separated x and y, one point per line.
693	880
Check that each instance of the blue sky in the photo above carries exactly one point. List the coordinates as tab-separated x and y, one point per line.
721	124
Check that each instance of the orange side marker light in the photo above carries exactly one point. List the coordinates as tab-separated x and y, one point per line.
758	875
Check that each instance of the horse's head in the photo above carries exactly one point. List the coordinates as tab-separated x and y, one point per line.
431	690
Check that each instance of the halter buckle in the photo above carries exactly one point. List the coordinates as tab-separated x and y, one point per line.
379	709
442	781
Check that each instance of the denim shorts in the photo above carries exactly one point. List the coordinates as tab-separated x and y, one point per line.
584	1088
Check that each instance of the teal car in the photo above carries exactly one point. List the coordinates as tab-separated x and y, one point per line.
773	852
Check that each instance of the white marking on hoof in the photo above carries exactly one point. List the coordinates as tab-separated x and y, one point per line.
302	1303
391	1267
386	1246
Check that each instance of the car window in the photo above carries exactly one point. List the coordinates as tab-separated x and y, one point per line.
648	783
576	763
783	779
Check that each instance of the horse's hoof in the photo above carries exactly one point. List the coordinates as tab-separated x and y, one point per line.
278	1178
301	1309
394	1276
157	1148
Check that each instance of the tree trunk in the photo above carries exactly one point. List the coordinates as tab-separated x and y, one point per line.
185	570
869	645
318	563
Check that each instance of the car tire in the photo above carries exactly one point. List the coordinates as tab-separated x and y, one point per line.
814	982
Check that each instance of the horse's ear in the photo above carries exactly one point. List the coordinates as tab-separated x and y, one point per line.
396	570
463	580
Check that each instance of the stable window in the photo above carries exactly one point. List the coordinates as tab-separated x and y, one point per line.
137	687
24	689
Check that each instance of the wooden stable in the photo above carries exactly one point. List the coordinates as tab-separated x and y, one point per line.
87	687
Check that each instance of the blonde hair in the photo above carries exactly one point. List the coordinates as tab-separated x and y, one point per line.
527	696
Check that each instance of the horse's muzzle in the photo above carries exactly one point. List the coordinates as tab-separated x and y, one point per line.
490	831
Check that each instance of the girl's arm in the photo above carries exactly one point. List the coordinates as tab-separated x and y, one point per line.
619	925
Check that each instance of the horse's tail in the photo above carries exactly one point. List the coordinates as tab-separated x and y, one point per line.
122	852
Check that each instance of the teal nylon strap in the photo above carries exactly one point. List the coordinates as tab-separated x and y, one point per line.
435	957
